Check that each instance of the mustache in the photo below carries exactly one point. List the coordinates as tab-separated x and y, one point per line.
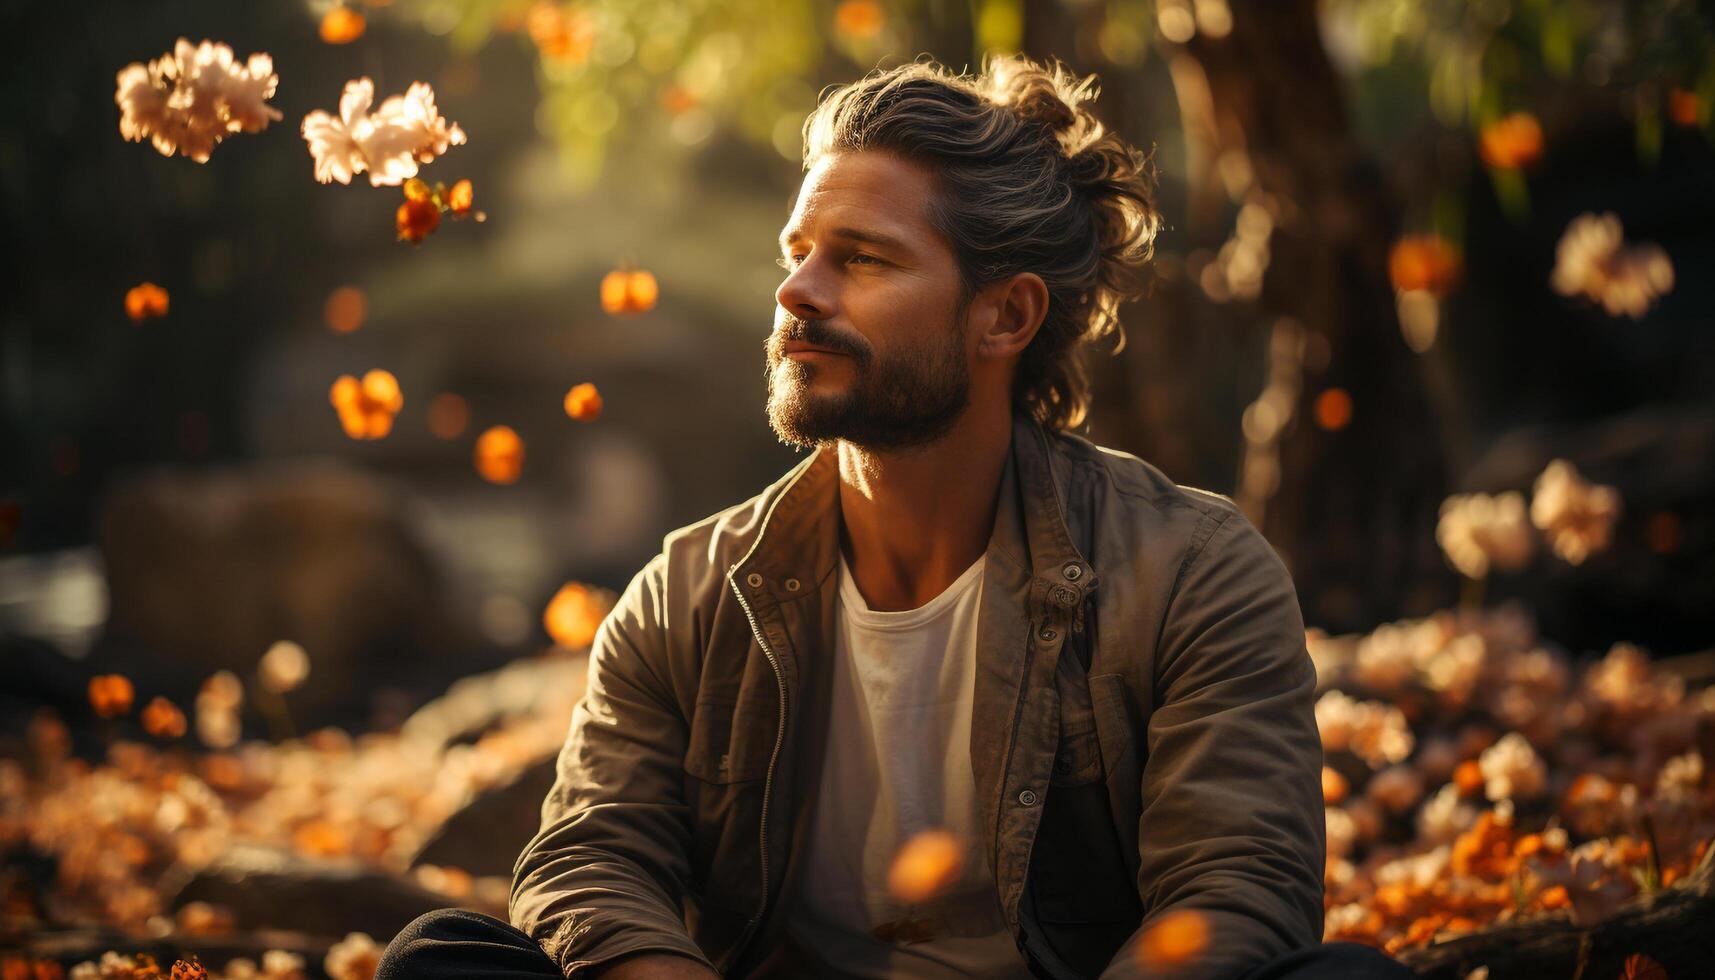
816	333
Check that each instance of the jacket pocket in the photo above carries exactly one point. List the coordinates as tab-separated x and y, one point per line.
1078	760
1115	725
728	746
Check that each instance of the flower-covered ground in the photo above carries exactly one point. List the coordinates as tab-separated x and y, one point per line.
1475	775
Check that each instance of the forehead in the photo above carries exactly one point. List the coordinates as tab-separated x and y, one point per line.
863	190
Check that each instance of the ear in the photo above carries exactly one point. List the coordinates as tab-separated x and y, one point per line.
1012	312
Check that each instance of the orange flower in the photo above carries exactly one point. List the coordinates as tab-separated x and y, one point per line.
448	416
460	198
145	300
1683	107
1426	262
223	772
321	838
1468	777
163	719
583	402
561	34
342	25
1333	409
1554	897
677	100
925	866
1334	787
500	455
381	389
366	408
1641	967
859	18
1174	939
626	292
416	219
573	615
1512	142
203	919
345	309
1483	850
111	695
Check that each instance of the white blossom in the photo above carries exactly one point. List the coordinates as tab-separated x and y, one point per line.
284	666
1512	769
1577	516
389	144
1373	731
1594	261
1478	531
353	958
188	100
1445	816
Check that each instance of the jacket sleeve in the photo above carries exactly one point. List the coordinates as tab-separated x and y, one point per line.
604	877
1232	819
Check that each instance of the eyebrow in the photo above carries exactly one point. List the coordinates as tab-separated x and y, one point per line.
856	234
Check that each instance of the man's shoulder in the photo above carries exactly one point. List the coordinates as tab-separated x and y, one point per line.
1139	484
721	539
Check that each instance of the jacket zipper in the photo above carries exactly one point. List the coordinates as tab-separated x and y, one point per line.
768	779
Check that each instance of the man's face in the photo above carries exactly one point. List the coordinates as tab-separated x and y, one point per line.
869	343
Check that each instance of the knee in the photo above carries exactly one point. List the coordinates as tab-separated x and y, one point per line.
436	940
1359	962
449	925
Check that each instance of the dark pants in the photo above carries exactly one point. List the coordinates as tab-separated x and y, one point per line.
456	943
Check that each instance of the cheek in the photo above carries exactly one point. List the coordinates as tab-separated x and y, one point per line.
894	314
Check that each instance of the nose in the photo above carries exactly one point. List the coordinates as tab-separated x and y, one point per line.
805	294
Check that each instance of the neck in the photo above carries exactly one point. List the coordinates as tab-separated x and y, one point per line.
913	521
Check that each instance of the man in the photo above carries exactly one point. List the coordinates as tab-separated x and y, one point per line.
1089	685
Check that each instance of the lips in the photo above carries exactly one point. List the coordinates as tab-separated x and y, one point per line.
799	347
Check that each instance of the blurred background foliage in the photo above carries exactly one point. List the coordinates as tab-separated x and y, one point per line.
181	486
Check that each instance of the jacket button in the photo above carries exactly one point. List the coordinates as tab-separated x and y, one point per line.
754	579
1072	572
792	585
1047	633
1028	797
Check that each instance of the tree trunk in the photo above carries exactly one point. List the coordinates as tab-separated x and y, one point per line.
1354	509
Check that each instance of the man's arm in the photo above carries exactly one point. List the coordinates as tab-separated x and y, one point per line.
604	877
1232	823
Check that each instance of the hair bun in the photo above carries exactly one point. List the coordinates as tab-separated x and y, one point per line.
1048	96
1037	102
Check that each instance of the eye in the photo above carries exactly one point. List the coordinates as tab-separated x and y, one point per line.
785	263
869	258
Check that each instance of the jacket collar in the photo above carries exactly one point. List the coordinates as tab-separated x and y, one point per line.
799	538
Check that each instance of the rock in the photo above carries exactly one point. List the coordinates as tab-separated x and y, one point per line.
267	887
486	836
476	704
208	568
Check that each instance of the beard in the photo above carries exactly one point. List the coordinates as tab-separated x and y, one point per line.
895	401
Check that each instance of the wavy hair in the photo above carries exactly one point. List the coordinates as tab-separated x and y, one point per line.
1028	180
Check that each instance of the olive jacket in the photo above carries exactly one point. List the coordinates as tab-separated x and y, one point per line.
1143	735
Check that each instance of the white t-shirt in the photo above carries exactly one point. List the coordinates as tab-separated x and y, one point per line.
898	761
